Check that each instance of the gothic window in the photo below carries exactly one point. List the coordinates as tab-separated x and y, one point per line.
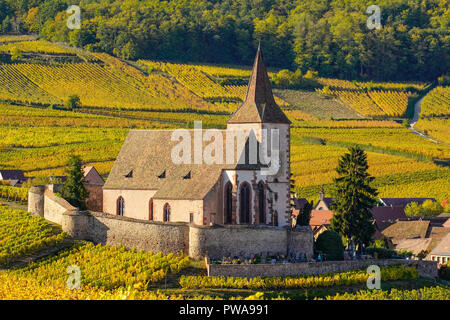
245	204
166	212
120	206
261	203
229	203
150	210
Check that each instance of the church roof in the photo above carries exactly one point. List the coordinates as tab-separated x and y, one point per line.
259	105
145	163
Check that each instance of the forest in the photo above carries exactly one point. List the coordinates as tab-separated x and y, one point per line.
330	37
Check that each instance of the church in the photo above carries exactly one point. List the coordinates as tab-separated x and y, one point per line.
146	183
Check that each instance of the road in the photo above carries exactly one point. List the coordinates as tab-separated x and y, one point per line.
416	118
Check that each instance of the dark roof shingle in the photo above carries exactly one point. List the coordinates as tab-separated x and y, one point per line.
259	105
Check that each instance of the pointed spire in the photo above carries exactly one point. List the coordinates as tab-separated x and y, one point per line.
259	105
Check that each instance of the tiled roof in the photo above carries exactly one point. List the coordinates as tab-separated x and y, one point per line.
414	245
92	176
147	154
300	203
12	175
402	202
320	217
406	230
443	247
259	105
388	213
447	224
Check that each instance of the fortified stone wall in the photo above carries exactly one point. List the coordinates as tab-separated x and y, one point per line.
55	208
195	241
425	268
229	241
36	200
146	235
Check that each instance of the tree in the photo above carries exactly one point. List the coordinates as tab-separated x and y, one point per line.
354	198
73	102
432	208
428	208
73	190
413	209
330	243
304	215
16	54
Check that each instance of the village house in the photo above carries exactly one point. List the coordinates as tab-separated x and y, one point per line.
146	184
441	253
14	177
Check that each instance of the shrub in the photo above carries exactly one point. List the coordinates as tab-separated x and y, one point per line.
444	272
330	243
381	253
428	208
73	102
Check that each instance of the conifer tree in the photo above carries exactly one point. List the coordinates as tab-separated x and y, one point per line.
354	197
73	190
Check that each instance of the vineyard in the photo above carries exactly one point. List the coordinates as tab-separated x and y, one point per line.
21	234
279	283
436	103
107	267
438	128
373	99
14	194
41	46
433	293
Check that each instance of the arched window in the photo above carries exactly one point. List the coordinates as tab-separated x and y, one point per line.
120	206
245	203
261	203
150	210
228	203
166	212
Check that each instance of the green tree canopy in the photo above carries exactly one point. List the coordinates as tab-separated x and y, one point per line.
73	190
73	102
330	243
354	198
330	37
304	216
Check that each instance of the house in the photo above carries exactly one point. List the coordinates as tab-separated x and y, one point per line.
323	203
93	182
146	182
320	221
91	176
15	177
441	253
385	217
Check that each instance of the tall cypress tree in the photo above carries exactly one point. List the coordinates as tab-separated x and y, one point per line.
354	197
73	190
